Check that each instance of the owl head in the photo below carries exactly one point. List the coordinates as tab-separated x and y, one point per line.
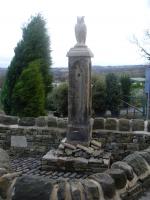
80	20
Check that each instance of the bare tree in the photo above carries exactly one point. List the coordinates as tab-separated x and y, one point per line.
143	45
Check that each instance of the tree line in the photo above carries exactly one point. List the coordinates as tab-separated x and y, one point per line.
107	94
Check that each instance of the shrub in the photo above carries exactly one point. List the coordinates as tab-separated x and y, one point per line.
98	96
125	89
113	94
58	99
28	99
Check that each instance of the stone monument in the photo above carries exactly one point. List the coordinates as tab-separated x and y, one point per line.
79	97
78	152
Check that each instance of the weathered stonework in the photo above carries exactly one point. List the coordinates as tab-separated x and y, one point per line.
27	121
52	122
41	121
124	125
4	161
69	157
79	96
111	124
137	124
39	139
124	180
79	152
42	139
7	120
99	123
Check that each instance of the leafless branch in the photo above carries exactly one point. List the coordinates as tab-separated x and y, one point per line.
142	49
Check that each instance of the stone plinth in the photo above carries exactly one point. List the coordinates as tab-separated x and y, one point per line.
79	158
79	97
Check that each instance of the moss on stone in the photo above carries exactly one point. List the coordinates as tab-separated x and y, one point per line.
98	123
138	125
124	125
111	124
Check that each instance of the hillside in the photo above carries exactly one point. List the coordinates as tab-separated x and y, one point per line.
3	71
61	74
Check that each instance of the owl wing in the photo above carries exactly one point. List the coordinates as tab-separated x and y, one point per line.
80	32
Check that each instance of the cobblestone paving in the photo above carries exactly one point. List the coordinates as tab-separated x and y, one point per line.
145	196
32	166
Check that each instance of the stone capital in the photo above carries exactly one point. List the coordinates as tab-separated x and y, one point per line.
80	51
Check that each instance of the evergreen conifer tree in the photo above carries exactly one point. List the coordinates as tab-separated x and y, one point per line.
35	44
113	94
125	88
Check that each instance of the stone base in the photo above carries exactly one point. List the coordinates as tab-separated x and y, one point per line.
79	135
77	158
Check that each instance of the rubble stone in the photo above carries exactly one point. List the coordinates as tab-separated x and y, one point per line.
69	146
125	167
107	183
119	177
4	161
32	188
137	162
96	143
86	149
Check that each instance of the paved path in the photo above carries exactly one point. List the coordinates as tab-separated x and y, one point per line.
32	166
145	196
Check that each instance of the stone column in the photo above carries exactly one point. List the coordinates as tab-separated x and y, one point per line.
79	97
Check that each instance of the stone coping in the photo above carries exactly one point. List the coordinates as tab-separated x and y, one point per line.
122	132
97	131
16	126
124	180
99	123
113	124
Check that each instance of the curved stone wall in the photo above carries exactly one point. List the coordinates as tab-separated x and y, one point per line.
99	123
39	135
125	179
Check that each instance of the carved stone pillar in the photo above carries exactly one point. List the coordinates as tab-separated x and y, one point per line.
79	97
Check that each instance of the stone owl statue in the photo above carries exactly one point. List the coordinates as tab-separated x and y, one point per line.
80	31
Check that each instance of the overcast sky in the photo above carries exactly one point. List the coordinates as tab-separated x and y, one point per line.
110	24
